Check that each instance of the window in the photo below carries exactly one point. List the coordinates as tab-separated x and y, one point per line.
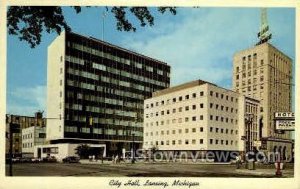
211	93
201	141
201	105
211	105
179	141
201	93
194	118
201	129
194	95
222	130
194	107
168	111
186	119
187	97
210	129
194	130
173	142
222	96
174	110
211	117
217	95
179	131
193	141
217	130
186	130
210	141
174	99
186	108
180	98
201	117
162	102
180	109
186	141
162	112
217	141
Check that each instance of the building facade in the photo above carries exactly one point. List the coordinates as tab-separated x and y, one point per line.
265	73
18	123
96	92
31	137
199	116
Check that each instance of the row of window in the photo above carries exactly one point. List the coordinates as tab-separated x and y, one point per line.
167	132
194	95
222	130
27	145
105	89
104	121
104	100
114	58
193	118
193	107
27	136
118	132
192	130
191	141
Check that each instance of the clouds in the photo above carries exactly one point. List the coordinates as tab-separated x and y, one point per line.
27	100
200	43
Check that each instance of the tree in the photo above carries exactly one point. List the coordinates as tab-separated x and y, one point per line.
83	151
28	22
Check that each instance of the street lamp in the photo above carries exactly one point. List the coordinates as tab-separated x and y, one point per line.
133	152
248	122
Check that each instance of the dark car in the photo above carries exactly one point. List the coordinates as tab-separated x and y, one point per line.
71	159
50	159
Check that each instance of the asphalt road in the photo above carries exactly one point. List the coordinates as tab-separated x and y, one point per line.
142	170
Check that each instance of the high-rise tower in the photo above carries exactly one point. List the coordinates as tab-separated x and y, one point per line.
265	73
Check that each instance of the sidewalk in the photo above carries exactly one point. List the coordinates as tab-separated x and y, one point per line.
265	172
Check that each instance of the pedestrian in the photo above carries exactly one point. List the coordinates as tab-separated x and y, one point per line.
93	157
238	161
113	159
117	159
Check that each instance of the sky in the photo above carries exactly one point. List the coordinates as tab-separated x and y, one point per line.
198	43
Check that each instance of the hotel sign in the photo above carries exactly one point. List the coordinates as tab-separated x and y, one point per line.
285	121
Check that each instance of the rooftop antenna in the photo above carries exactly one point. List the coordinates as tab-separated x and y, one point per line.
104	14
264	34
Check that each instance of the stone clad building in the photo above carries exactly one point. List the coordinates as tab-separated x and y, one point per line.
265	73
199	116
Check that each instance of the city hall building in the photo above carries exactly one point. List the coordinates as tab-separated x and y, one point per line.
200	116
96	91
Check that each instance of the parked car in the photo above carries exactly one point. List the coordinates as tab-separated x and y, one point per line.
36	160
50	159
71	159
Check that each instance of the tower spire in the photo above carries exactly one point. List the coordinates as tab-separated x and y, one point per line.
264	34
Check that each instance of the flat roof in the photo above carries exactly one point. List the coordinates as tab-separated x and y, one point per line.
180	87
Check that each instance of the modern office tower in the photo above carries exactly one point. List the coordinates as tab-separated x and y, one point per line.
265	73
199	116
18	122
96	92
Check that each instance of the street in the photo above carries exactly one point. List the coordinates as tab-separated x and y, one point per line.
145	170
